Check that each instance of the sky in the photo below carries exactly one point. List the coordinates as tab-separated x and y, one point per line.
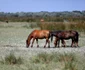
41	5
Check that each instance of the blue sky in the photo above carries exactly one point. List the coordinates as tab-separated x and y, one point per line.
41	5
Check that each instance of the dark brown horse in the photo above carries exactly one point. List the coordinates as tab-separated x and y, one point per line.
65	35
38	34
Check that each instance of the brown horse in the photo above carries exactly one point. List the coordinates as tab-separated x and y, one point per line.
38	34
65	35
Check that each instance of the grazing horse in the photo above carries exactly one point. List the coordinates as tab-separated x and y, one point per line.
57	40
38	34
65	35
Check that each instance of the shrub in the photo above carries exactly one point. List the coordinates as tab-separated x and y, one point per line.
11	59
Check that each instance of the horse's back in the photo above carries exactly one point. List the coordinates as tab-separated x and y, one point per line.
40	33
46	31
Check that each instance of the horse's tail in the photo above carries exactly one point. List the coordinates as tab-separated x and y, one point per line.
51	35
77	36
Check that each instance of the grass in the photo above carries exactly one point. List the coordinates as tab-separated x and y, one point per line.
11	59
79	26
44	61
68	60
52	26
16	35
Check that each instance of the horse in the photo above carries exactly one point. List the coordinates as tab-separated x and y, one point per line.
38	34
65	35
57	40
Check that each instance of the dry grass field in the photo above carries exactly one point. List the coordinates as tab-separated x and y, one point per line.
12	40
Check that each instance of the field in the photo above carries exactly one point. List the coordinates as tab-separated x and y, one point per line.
13	36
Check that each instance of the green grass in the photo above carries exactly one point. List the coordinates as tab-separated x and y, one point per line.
79	26
11	59
17	33
44	61
14	35
68	60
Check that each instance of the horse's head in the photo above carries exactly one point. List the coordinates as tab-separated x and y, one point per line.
27	43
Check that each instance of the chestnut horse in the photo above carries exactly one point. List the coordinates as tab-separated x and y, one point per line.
38	34
65	35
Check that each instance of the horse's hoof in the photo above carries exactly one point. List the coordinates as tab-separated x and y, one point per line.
48	46
27	46
44	46
78	46
38	46
55	47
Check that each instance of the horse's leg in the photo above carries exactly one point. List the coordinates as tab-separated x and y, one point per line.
47	41
45	44
72	45
55	42
63	42
58	42
37	43
76	39
32	42
77	44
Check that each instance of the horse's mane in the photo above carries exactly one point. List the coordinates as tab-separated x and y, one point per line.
29	37
54	32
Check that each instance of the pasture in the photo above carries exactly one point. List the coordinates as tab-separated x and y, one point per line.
13	37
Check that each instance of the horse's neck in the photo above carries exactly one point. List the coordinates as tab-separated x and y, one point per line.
29	38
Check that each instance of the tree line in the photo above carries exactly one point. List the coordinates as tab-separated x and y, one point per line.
47	16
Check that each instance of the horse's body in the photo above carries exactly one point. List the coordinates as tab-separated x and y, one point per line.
65	35
57	40
38	34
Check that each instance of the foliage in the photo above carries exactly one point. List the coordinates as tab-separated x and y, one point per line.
47	16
